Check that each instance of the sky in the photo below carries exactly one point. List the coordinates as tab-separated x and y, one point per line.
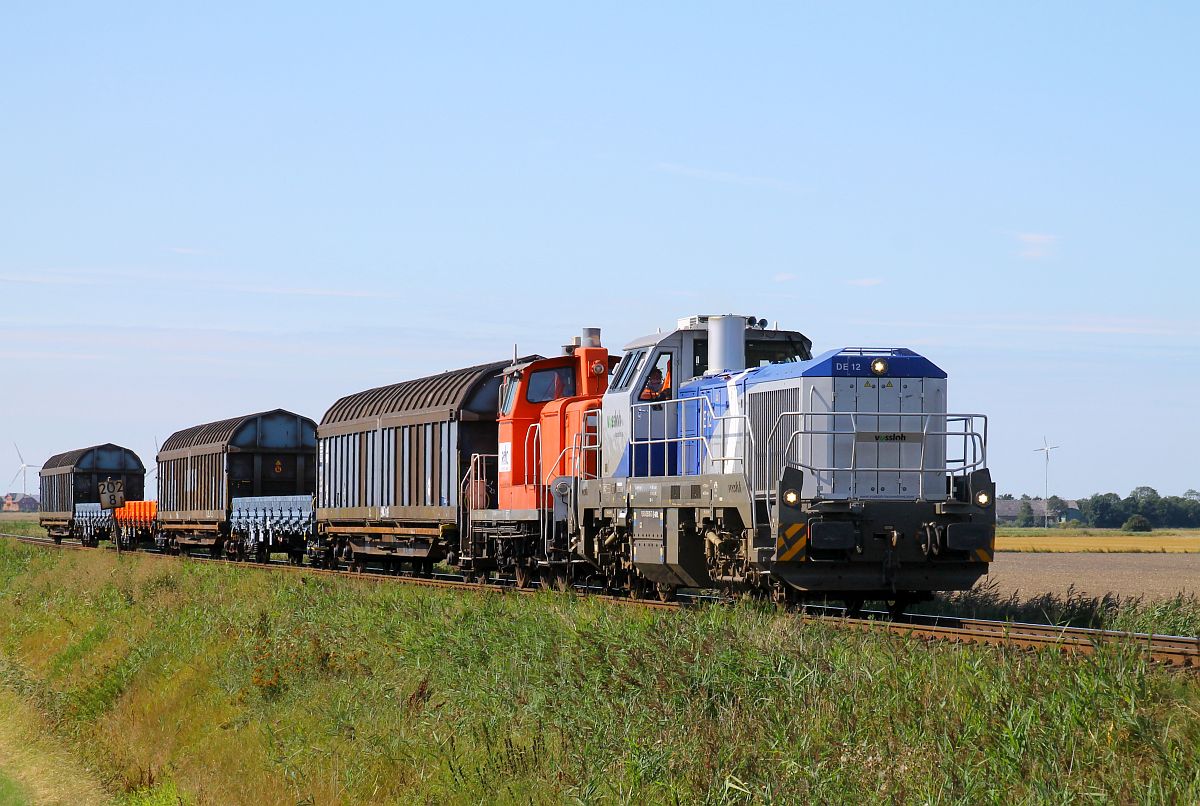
209	209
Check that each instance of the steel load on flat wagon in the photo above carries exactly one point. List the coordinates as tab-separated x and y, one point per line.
70	490
239	487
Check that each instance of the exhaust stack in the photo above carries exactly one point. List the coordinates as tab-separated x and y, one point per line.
726	343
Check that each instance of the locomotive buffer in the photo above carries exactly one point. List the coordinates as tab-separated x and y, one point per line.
112	497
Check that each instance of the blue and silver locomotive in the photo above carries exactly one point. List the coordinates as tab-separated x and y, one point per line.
732	457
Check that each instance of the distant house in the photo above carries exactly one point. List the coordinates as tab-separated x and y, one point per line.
1008	510
16	502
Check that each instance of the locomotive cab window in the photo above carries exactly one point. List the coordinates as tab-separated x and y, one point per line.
508	392
699	357
550	384
762	353
759	353
629	369
658	380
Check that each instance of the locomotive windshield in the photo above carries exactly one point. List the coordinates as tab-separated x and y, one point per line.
551	384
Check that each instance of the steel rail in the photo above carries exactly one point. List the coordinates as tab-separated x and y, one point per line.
1173	650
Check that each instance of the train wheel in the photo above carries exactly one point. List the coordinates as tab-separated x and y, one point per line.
554	579
854	607
897	606
783	595
523	576
665	592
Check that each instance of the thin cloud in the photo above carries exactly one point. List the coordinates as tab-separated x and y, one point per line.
176	280
865	282
51	278
188	250
726	177
1035	245
784	277
308	292
1112	326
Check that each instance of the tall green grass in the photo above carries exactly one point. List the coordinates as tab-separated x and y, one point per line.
1177	615
29	527
223	684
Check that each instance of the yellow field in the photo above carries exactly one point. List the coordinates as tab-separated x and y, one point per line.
1169	541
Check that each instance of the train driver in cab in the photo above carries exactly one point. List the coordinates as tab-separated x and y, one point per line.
658	383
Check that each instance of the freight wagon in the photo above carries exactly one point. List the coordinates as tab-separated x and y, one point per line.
391	462
70	490
240	488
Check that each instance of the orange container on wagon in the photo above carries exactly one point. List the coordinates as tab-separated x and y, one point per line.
138	514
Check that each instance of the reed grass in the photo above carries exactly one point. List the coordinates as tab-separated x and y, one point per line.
1177	615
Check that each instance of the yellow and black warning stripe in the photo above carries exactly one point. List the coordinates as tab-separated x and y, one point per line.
983	555
792	545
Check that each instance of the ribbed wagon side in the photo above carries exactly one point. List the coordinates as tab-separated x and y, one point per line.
70	489
391	460
235	483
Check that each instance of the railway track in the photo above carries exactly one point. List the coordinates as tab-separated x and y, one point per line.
1179	651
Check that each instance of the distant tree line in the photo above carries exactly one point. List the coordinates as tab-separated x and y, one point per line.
1142	508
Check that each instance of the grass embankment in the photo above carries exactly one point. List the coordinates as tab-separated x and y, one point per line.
1171	541
35	769
24	525
221	684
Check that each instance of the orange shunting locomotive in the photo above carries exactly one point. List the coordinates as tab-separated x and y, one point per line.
549	422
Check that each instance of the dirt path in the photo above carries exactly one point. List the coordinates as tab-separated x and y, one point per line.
42	768
1155	576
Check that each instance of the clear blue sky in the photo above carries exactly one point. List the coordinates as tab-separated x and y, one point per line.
213	208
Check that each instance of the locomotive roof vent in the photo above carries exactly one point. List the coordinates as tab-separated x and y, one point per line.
700	321
590	338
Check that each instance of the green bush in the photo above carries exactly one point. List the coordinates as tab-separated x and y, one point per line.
1137	523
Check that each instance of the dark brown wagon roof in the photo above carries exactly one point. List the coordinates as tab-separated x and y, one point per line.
217	433
447	390
71	458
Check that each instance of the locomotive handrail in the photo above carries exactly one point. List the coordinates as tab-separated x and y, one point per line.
974	443
700	438
478	461
532	460
704	443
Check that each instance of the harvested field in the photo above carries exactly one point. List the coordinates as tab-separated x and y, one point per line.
1153	576
1143	544
1098	540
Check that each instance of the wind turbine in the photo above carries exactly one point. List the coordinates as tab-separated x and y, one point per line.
1046	448
21	472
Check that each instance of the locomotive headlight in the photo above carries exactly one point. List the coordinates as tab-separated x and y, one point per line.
879	366
791	498
983	499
